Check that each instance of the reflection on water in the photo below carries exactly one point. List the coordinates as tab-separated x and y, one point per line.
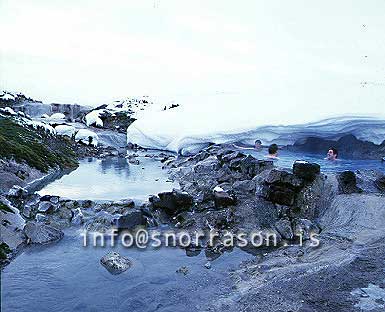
111	178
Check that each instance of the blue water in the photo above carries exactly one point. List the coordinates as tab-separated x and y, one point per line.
287	158
69	277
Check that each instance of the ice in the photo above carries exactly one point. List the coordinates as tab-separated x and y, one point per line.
65	130
84	135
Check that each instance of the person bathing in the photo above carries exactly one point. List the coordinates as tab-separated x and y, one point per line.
332	154
273	152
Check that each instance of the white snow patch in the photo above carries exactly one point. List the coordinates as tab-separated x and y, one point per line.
57	116
65	130
93	118
84	135
7	97
8	110
44	116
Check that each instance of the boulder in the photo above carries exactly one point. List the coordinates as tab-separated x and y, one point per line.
46	207
244	186
172	202
304	228
131	220
380	183
347	183
40	233
284	228
77	216
115	263
306	170
223	199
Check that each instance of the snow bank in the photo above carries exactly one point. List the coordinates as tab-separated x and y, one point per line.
65	130
84	135
40	125
93	118
57	116
183	134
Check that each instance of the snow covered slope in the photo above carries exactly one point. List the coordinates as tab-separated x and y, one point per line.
176	133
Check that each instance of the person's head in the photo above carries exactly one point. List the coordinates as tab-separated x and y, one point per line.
257	144
273	149
332	154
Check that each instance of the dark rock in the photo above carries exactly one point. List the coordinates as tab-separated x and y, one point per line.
380	183
172	202
305	228
223	199
281	177
305	170
183	270
245	186
131	220
40	233
115	263
284	228
46	207
281	195
347	183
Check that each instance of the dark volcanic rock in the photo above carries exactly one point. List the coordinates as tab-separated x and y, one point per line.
347	183
172	202
305	228
284	228
223	199
305	170
131	220
380	183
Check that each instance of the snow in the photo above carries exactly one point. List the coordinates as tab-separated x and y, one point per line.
65	130
8	111
83	136
44	116
37	124
7	97
57	116
186	132
93	118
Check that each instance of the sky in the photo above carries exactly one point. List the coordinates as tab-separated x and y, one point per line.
281	60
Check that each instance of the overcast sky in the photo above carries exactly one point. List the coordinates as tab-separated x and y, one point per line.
322	57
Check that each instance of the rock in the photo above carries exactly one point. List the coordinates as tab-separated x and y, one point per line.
46	206
281	195
207	165
183	270
304	228
115	263
347	183
17	191
281	177
172	202
284	228
40	233
380	184
305	170
77	216
245	186
101	222
223	200
131	220
41	217
208	265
